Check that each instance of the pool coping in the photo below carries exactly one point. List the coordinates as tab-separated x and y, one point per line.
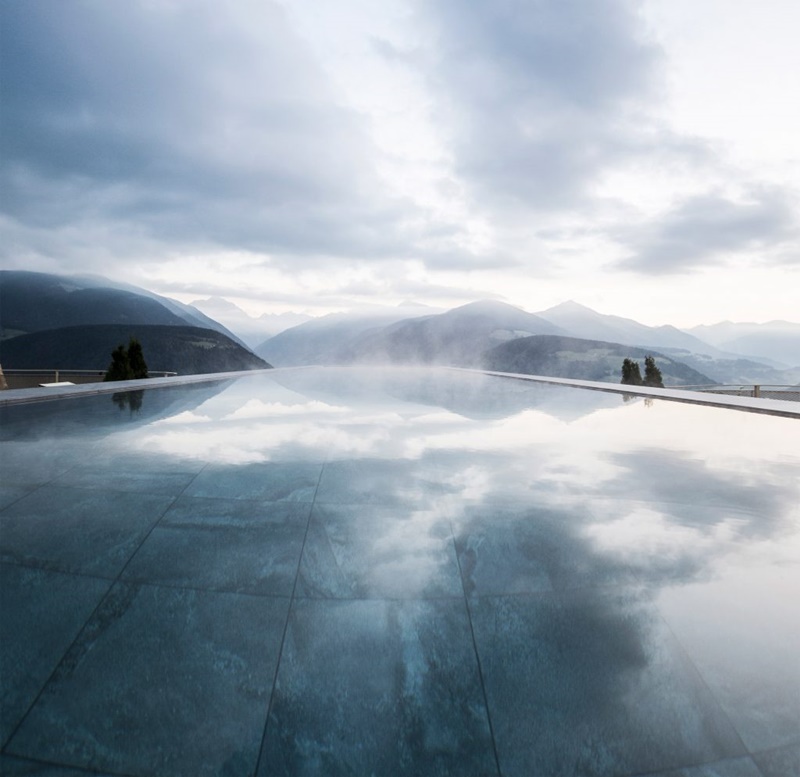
776	407
30	395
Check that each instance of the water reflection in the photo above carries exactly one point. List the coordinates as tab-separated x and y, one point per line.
661	490
94	416
132	400
603	552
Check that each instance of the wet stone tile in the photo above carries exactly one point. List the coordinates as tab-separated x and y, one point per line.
226	545
208	512
270	481
591	683
198	669
11	494
376	687
781	762
510	549
36	463
41	613
379	482
245	560
78	530
113	455
741	630
140	476
730	767
505	550
366	551
21	767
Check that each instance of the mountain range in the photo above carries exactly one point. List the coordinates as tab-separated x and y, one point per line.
580	321
776	343
58	321
469	335
458	337
330	339
252	330
775	340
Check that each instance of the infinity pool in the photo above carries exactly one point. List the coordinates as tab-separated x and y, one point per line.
398	572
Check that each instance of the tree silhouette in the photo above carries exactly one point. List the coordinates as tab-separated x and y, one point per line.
127	364
132	400
136	359
631	374
652	375
120	367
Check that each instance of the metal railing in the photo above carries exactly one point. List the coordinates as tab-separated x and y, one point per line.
765	391
17	378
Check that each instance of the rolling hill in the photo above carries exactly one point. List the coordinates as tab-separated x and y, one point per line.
570	357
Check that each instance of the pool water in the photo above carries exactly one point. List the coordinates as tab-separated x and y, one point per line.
397	572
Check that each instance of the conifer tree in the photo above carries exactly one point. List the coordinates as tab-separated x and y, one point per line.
120	367
631	375
652	375
136	359
127	364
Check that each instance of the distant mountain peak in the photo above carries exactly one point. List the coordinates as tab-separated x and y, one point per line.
570	306
486	306
217	304
409	303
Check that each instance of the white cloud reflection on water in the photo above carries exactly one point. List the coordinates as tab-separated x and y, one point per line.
238	427
693	509
650	480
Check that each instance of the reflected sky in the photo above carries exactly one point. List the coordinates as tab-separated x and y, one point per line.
659	480
583	530
671	486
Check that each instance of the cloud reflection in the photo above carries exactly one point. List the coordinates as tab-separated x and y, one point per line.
662	489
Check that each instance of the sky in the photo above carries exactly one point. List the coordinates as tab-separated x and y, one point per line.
641	157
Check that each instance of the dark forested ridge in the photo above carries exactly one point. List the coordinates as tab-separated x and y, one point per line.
50	321
571	357
182	349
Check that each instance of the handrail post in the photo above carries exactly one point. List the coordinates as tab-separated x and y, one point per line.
756	391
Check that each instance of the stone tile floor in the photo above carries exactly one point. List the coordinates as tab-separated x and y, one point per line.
345	572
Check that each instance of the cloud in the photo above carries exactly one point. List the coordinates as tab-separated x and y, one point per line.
540	98
188	126
708	229
297	150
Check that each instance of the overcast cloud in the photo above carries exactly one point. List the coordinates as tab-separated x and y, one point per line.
707	229
440	150
191	124
539	98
